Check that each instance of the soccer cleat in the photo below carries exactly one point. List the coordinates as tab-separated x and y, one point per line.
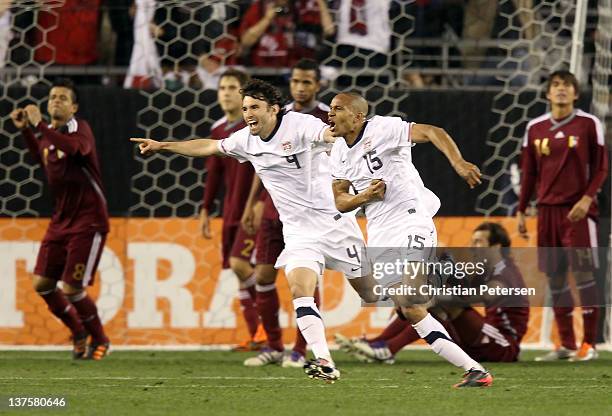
348	345
585	353
558	354
475	378
260	335
376	351
79	345
258	341
98	351
322	369
266	356
293	360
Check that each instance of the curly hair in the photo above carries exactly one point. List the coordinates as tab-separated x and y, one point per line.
261	90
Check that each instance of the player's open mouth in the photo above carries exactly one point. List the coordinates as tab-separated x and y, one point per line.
332	125
252	123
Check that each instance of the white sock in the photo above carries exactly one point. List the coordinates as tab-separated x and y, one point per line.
440	342
311	326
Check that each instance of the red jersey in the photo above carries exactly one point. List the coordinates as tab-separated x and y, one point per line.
71	33
319	110
274	47
511	320
69	158
565	159
236	176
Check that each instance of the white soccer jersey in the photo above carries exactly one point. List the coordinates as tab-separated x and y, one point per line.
383	151
366	26
294	168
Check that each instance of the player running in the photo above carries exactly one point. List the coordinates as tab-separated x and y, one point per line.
237	245
287	151
373	156
564	158
304	86
72	246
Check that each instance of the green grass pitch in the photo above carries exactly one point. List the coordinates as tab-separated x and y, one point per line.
216	383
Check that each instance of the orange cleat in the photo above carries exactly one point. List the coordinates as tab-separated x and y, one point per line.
260	335
98	351
586	352
79	345
258	342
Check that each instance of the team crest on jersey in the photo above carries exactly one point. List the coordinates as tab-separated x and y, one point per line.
287	146
572	141
367	144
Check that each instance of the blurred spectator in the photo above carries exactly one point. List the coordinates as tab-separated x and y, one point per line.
5	30
68	33
277	33
121	14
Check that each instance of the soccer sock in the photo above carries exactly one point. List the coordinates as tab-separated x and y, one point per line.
563	307
268	306
405	337
310	323
60	307
300	342
247	296
395	328
590	310
88	313
440	342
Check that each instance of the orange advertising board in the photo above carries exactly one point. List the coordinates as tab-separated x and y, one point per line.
160	283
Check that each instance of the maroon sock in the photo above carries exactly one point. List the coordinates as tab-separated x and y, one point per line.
392	330
405	337
590	310
563	307
300	342
249	309
88	312
268	306
60	307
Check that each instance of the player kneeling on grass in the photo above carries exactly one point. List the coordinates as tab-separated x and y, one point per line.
288	152
374	157
73	243
494	337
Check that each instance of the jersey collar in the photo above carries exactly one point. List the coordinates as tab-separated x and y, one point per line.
359	136
279	120
554	124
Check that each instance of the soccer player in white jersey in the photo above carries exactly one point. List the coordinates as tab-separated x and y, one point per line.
373	156
288	152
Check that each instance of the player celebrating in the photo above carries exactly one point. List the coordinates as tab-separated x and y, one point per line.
237	245
495	337
373	156
73	243
304	86
565	157
287	151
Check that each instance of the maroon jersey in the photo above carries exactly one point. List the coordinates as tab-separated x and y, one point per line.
236	176
69	158
565	159
510	320
319	110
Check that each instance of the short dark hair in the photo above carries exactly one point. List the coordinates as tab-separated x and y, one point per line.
67	83
306	64
264	91
497	234
566	76
241	76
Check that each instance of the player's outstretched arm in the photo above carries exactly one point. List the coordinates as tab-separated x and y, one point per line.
346	202
422	133
196	147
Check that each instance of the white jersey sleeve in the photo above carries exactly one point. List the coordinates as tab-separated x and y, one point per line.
311	129
339	167
234	146
399	132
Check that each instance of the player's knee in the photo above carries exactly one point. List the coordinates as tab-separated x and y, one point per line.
557	281
72	291
242	268
414	314
265	275
368	295
43	285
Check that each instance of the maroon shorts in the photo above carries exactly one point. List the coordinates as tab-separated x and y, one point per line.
270	242
484	342
73	259
563	242
236	243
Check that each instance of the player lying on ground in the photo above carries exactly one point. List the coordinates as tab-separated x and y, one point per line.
374	157
73	243
265	222
288	152
495	337
564	158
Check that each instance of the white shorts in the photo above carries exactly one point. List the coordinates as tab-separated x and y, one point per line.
405	237
336	245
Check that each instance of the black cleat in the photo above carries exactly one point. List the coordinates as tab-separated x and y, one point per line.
475	378
321	369
79	345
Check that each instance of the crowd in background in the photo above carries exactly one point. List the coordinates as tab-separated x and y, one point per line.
195	41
